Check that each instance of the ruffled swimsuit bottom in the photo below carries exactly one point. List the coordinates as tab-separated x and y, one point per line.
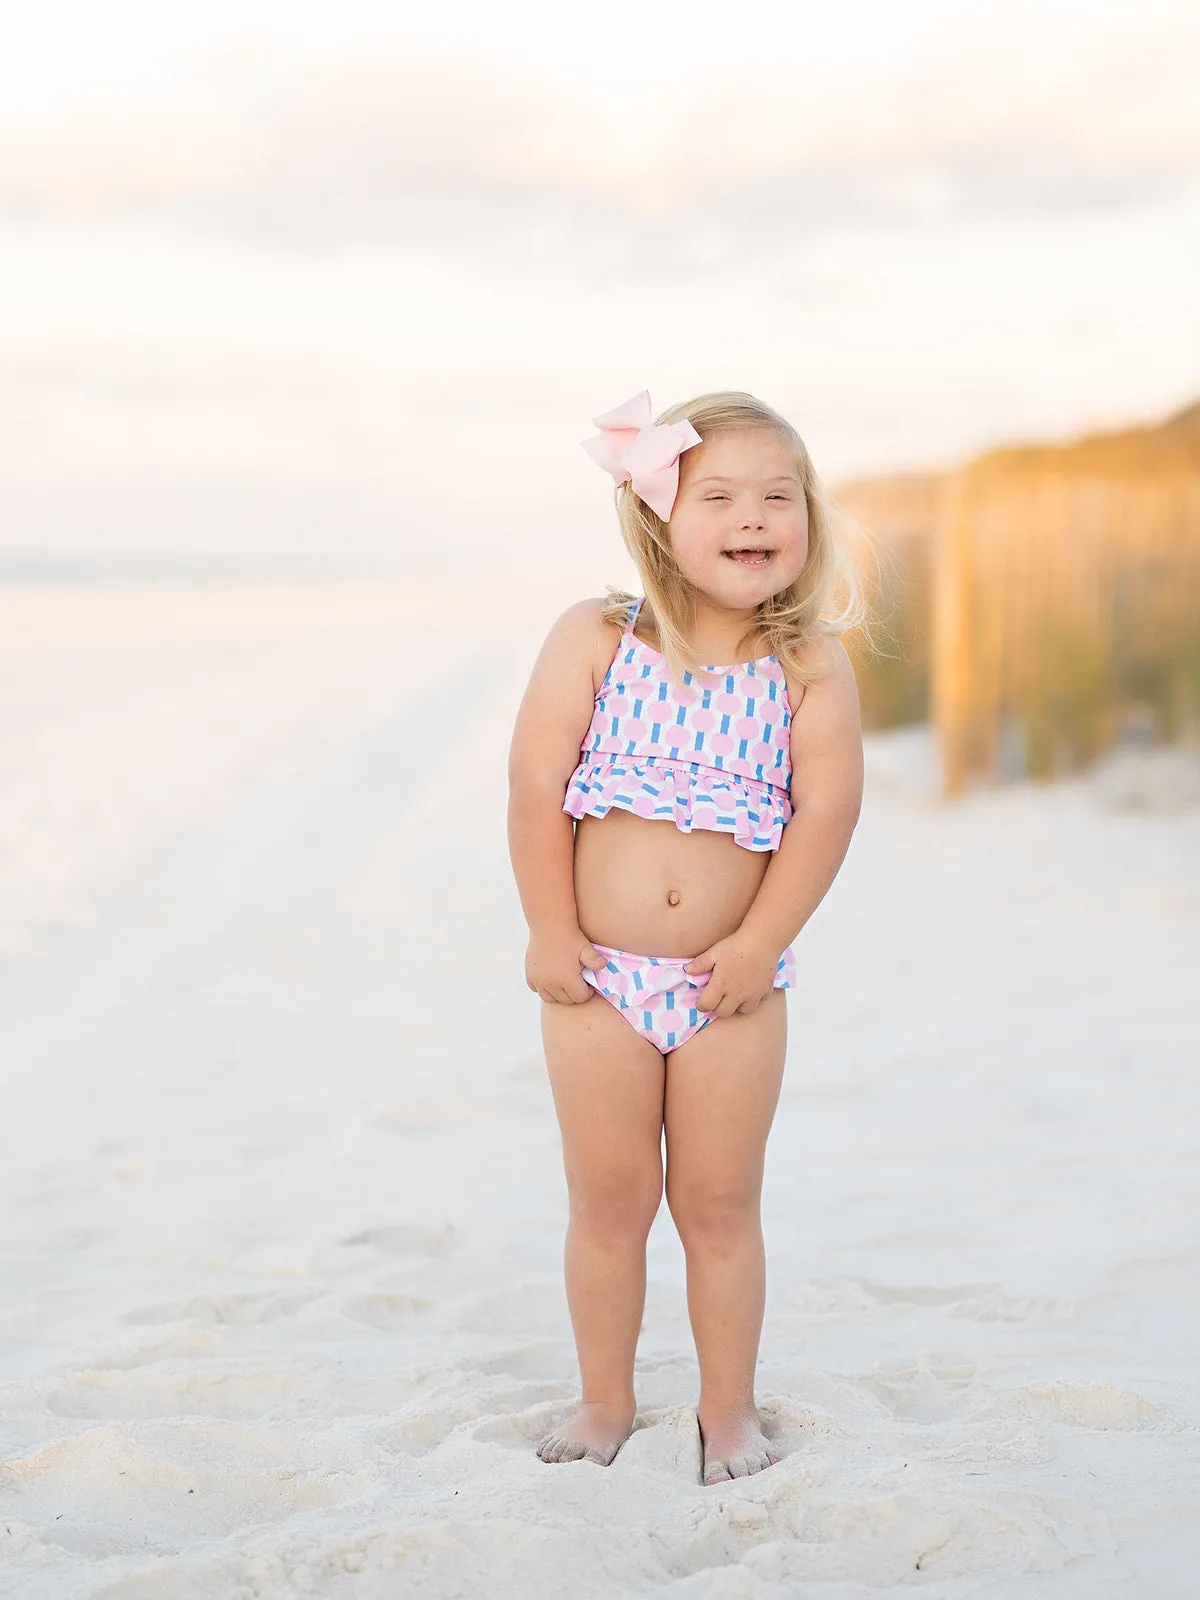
658	998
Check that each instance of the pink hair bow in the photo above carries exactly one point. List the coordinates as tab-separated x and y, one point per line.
629	447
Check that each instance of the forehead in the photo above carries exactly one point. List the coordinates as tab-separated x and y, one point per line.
746	453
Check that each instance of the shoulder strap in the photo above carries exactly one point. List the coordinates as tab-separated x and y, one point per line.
635	607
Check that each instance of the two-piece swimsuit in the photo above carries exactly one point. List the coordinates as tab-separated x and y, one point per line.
713	756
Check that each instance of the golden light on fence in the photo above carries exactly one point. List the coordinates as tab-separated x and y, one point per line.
1040	604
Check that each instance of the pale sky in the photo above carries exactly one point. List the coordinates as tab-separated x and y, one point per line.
61	53
273	275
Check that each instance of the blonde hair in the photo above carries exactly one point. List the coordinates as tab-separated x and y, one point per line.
826	598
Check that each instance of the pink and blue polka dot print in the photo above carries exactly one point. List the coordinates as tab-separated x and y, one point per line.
658	998
708	755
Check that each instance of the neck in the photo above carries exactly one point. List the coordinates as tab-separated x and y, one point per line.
718	630
710	616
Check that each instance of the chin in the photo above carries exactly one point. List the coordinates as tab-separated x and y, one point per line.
740	598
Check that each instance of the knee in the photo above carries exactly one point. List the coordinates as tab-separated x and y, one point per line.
615	1205
712	1214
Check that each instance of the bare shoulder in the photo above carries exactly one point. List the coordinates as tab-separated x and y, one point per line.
824	675
580	633
581	618
826	733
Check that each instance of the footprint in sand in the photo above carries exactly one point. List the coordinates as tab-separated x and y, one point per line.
551	1361
158	1487
233	1310
923	1294
401	1240
996	1307
385	1311
429	1425
892	1541
977	1302
929	1389
1086	1405
198	1344
130	1396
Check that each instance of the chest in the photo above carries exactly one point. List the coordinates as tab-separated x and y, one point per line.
735	720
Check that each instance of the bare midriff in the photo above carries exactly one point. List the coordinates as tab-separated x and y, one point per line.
643	886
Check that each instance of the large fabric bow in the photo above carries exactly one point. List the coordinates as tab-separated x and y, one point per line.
630	448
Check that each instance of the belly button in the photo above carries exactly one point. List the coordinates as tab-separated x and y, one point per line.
673	897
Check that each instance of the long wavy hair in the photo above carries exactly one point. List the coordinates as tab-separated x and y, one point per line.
826	598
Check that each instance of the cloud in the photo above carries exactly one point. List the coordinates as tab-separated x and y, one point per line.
457	153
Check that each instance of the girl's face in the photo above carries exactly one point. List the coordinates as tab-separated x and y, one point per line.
739	527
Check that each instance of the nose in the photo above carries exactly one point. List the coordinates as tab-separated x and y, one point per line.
752	516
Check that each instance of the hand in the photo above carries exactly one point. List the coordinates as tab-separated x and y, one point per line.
743	975
554	966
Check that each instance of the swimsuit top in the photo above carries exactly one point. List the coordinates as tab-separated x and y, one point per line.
716	757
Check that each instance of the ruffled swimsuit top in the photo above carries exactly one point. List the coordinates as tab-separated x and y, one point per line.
714	755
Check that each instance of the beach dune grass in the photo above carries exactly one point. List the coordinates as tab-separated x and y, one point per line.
1041	605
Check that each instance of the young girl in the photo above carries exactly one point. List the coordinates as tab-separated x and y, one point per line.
673	824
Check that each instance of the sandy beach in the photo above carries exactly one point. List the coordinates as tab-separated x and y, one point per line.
282	1197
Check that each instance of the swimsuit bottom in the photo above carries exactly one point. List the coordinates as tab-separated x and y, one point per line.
657	997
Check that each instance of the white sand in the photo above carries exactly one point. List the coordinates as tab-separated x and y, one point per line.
282	1308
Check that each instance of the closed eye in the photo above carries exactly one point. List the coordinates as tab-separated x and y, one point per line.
726	497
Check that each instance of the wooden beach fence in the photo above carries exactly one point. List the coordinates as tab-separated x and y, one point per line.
1044	601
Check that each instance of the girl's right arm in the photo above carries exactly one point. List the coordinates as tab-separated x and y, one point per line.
550	727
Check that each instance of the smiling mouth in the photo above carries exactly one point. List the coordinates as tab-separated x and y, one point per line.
750	557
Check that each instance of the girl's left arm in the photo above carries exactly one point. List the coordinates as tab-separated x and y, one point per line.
826	794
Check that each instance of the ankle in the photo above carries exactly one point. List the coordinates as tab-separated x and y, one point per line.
734	1408
620	1405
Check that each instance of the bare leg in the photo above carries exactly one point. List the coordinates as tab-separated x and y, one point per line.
608	1092
722	1090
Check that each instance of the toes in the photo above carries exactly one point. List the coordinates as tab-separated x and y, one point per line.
599	1455
739	1467
774	1454
573	1450
717	1472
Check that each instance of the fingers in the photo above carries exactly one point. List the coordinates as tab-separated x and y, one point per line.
716	1004
728	1005
749	1007
565	994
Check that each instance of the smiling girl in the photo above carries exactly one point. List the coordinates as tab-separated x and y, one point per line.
685	777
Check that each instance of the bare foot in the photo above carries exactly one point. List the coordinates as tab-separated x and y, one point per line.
735	1446
595	1433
